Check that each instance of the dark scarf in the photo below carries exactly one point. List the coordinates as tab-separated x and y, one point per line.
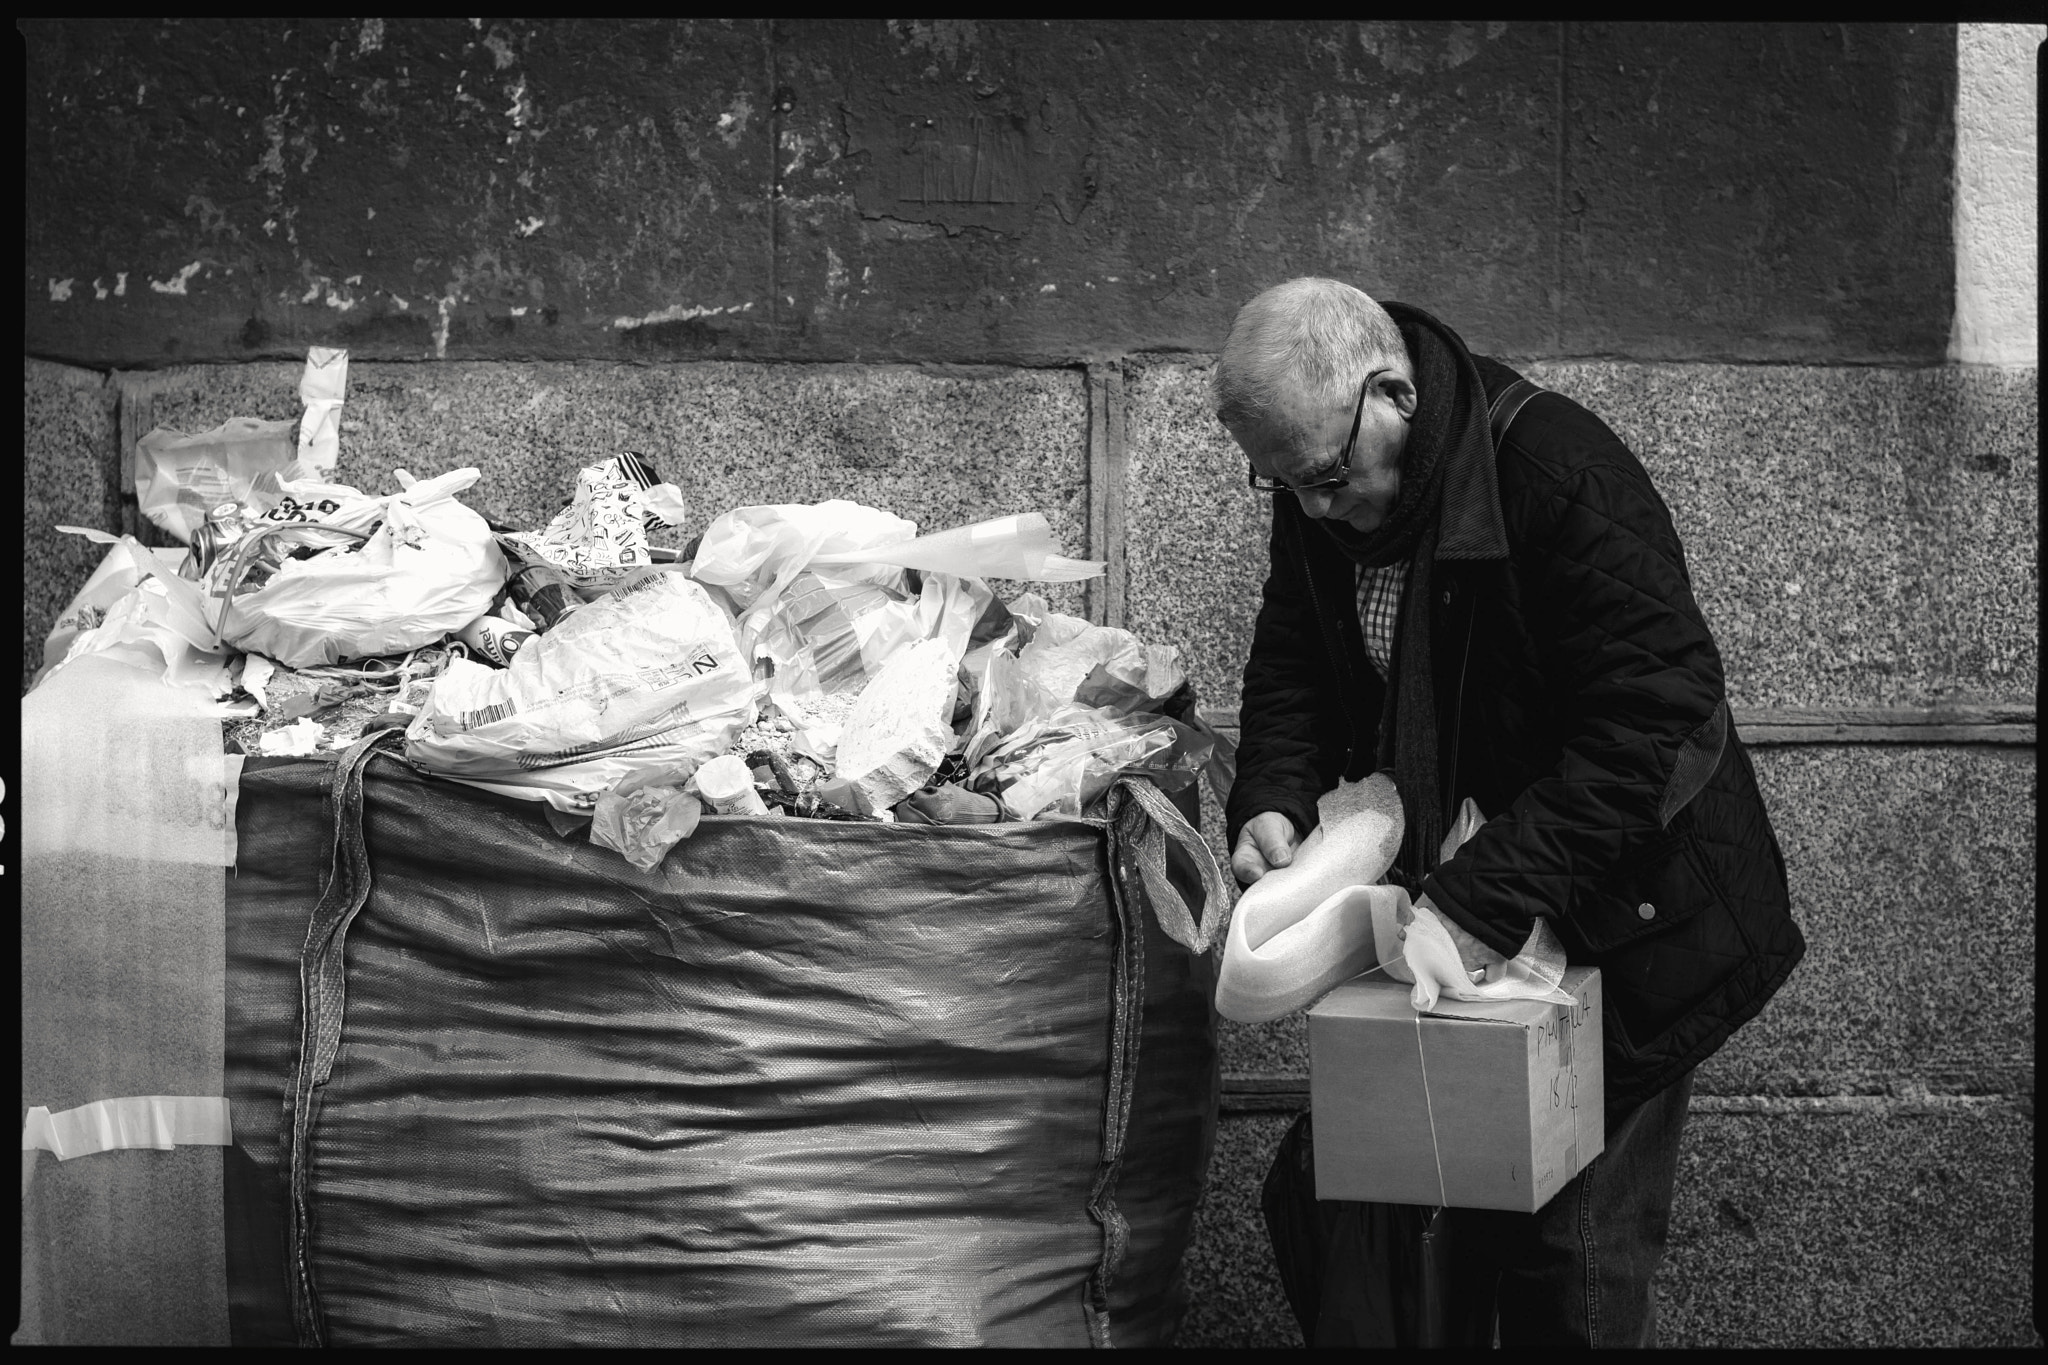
1447	435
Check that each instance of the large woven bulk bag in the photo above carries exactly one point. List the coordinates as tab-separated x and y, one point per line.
804	1083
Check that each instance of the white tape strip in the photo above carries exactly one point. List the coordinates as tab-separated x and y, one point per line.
159	1122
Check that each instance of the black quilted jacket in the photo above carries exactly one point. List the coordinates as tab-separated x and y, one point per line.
1583	710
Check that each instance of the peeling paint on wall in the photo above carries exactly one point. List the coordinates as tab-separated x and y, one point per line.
919	183
176	283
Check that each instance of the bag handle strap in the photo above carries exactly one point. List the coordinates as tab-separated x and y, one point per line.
1500	414
323	988
1144	823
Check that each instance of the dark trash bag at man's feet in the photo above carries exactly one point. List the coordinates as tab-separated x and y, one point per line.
804	1083
1359	1274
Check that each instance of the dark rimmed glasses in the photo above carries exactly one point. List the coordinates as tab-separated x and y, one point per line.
1337	477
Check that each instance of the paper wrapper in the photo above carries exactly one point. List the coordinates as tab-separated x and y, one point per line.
601	536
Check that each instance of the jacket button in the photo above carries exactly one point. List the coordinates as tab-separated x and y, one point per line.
1647	910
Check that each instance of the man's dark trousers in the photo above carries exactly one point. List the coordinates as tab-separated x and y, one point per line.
1575	1273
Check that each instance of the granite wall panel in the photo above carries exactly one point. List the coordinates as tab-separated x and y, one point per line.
938	446
1856	537
1912	876
68	460
1869	1224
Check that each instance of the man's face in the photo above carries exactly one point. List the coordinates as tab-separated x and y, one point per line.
1301	441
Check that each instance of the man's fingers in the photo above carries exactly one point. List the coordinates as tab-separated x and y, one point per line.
1274	835
1247	863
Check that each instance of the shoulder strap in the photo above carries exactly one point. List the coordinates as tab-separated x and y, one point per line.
1501	413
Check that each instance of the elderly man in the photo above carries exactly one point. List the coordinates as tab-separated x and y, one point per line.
1474	584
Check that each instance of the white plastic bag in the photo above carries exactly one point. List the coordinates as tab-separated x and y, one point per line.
428	566
647	676
644	815
1065	776
179	479
753	553
899	731
1303	928
1428	958
137	609
1019	546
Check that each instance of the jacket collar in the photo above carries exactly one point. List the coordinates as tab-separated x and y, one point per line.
1470	525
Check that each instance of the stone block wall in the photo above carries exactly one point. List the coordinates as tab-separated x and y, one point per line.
958	270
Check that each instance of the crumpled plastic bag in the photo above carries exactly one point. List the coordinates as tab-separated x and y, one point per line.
1019	546
411	567
645	677
1304	928
645	814
950	804
137	609
1069	673
1064	764
900	729
1066	654
1428	957
601	536
179	479
753	553
834	629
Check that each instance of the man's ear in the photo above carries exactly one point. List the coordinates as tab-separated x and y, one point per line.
1400	392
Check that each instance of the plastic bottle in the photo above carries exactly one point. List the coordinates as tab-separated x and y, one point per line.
493	639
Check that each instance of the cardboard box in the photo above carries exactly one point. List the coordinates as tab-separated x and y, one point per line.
1514	1105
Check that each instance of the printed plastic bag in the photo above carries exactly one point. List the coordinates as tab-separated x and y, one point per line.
417	565
601	536
179	479
648	676
834	630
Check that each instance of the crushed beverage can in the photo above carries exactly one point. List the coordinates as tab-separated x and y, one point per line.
220	531
493	639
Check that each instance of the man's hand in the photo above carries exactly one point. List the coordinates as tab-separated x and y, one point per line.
1266	842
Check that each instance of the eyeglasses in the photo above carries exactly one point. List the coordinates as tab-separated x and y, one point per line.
1336	478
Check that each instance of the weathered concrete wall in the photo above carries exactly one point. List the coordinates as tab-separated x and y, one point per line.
961	191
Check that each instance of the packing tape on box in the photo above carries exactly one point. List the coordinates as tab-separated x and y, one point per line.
156	1122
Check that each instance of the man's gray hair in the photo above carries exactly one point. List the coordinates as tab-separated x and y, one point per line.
1310	337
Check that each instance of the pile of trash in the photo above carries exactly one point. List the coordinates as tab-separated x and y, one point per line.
813	661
